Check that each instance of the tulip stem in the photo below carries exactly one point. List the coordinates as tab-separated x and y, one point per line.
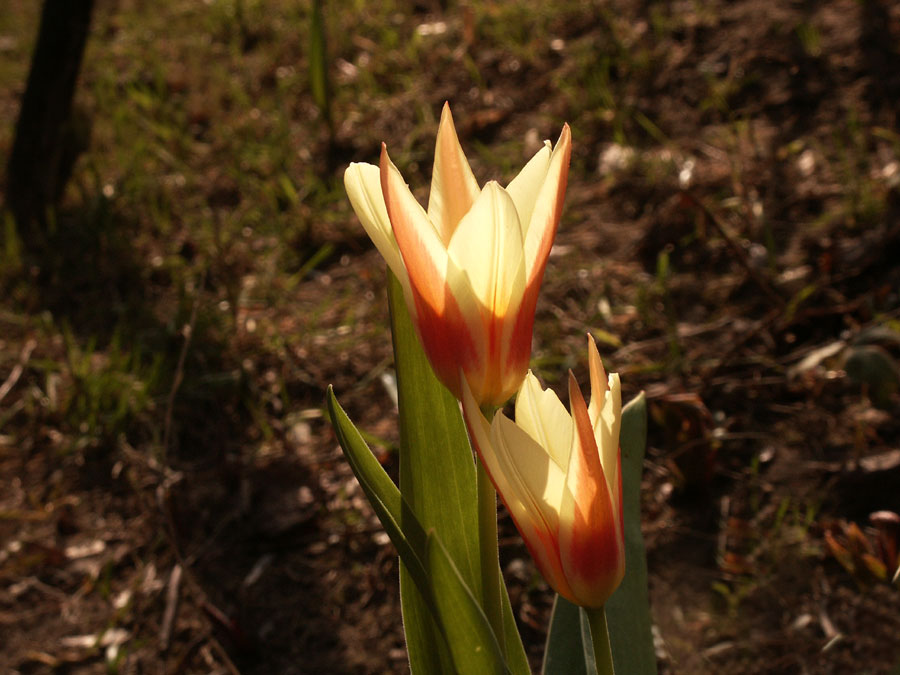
490	555
600	638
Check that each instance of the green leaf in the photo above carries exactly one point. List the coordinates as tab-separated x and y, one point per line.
437	480
628	610
463	641
569	650
474	646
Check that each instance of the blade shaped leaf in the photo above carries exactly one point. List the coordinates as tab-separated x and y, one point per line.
380	490
514	650
628	609
474	646
568	650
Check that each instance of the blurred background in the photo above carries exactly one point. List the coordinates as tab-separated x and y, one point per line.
181	276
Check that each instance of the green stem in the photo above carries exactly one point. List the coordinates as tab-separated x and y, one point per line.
490	555
600	638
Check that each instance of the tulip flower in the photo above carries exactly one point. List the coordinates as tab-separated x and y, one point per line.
560	476
470	265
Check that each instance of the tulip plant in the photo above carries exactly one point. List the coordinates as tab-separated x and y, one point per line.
464	276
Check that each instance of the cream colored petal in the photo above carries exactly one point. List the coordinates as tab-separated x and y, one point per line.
487	245
533	469
607	434
453	186
537	522
543	417
541	228
363	185
525	187
598	382
496	457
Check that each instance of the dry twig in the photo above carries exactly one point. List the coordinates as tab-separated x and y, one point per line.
18	369
173	593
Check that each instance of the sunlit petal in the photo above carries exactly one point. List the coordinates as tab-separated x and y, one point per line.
453	186
525	187
608	433
363	184
496	452
584	474
487	244
542	415
605	414
547	210
599	385
591	547
532	466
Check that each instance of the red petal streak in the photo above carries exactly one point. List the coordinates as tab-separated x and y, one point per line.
447	342
585	465
506	357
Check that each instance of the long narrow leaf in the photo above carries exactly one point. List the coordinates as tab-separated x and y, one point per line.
516	658
437	480
381	492
569	650
628	610
474	645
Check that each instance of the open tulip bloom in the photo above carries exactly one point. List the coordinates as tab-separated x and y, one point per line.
560	476
471	265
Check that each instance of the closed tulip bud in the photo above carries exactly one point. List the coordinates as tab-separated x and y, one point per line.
559	474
